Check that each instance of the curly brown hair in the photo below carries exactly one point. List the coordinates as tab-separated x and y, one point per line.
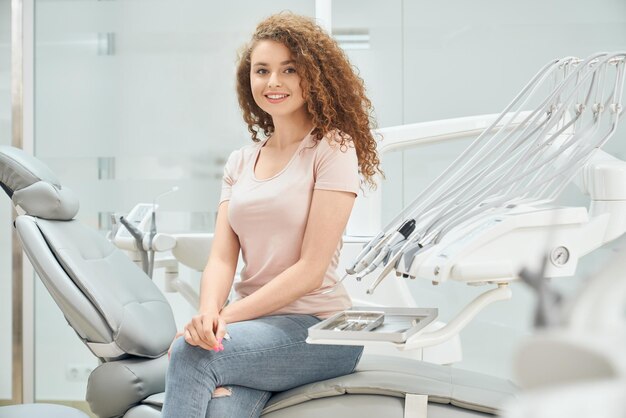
334	93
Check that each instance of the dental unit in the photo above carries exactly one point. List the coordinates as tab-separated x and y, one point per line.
489	214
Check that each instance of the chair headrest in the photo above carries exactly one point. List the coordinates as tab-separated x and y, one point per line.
32	186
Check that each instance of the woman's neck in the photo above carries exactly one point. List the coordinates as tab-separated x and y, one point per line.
290	129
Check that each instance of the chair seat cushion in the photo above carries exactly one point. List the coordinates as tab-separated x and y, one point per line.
394	376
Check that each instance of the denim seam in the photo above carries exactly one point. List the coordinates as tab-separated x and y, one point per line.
256	406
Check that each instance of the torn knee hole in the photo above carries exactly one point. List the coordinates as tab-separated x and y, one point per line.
221	392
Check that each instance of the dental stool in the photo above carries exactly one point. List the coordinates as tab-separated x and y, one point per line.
124	319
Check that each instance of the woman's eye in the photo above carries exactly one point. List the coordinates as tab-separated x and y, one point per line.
290	70
261	71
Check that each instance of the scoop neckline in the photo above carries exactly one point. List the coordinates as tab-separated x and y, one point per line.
293	157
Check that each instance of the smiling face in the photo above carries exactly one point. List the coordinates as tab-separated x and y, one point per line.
274	81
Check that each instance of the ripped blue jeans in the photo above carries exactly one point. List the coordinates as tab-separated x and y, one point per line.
264	355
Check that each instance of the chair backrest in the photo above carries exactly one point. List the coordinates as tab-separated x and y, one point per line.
110	302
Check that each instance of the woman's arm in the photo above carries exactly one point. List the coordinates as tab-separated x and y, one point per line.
219	273
205	329
327	220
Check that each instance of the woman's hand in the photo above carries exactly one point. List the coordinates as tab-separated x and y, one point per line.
206	330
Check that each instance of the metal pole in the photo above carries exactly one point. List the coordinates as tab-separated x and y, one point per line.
17	141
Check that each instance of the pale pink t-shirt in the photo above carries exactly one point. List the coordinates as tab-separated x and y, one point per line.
269	216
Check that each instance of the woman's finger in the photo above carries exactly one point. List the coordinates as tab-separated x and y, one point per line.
188	338
220	330
193	335
207	330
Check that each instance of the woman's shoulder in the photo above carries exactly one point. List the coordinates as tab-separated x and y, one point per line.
335	141
240	157
336	163
244	153
335	148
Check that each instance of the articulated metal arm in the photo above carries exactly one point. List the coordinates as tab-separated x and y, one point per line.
518	164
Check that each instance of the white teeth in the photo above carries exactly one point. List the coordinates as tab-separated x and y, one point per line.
276	96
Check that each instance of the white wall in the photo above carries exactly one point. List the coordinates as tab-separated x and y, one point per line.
5	205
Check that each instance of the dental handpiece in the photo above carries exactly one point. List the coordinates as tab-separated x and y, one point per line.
367	254
374	264
382	243
138	235
365	257
400	235
350	271
390	266
404	232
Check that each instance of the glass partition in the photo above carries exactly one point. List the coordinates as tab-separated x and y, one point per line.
133	98
6	277
371	34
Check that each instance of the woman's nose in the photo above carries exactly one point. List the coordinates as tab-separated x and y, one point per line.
273	81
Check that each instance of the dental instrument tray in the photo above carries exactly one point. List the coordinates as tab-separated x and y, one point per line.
374	324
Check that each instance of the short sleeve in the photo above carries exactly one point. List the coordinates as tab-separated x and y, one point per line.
337	167
230	170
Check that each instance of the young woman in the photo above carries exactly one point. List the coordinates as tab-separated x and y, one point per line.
285	203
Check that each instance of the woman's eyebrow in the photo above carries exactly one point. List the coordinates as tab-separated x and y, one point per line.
262	64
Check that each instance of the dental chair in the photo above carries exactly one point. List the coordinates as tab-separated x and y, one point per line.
126	322
40	410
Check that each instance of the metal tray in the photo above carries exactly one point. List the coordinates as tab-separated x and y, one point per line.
374	324
356	321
